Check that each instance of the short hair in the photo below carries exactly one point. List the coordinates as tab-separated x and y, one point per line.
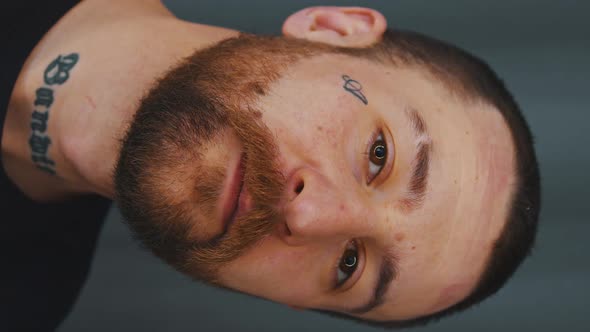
468	76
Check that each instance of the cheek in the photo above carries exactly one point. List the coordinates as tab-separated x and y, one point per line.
319	117
450	295
274	271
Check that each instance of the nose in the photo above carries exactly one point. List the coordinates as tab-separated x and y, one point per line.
321	208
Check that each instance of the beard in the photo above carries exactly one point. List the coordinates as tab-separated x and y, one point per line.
264	183
167	190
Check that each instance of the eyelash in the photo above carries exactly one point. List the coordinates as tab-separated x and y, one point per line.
350	246
372	145
377	137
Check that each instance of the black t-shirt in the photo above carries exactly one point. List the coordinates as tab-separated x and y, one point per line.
45	249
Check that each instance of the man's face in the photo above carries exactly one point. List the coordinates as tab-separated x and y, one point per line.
435	224
395	191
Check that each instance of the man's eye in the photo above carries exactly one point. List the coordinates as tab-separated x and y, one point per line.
377	157
348	263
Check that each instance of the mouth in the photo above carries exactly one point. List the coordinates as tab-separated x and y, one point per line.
237	201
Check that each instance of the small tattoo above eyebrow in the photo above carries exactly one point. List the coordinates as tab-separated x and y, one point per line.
354	87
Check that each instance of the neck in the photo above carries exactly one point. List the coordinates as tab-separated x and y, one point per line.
70	146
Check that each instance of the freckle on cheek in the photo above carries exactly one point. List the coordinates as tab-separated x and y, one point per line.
399	237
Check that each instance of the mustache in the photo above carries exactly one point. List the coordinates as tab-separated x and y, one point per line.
264	182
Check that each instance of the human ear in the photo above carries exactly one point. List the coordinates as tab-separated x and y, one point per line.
339	26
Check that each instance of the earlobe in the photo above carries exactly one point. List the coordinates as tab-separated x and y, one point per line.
339	26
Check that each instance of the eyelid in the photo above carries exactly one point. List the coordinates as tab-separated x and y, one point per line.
384	132
356	275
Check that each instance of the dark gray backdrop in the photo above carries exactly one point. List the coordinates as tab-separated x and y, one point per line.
540	48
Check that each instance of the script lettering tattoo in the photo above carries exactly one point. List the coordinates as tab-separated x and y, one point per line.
355	88
58	70
57	73
39	121
44	97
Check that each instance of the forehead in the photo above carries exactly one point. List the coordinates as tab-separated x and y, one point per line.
446	242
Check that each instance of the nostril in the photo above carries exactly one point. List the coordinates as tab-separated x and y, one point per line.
283	229
299	187
287	230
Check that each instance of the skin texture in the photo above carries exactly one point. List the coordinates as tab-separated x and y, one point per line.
440	247
321	130
108	85
93	108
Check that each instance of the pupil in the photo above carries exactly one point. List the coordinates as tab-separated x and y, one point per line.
350	261
380	151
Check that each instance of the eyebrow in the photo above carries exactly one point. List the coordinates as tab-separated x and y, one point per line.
416	191
413	199
387	273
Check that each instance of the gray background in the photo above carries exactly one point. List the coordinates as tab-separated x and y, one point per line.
540	48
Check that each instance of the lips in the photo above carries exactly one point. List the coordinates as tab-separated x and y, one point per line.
238	200
244	201
233	193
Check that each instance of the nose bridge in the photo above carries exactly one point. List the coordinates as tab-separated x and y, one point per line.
323	207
